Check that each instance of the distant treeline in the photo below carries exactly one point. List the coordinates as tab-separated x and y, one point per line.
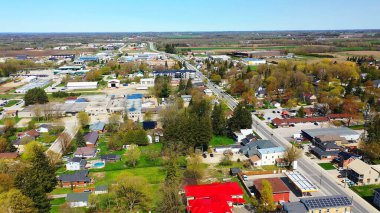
61	94
318	55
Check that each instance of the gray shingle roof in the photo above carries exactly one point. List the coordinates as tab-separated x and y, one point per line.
81	175
78	197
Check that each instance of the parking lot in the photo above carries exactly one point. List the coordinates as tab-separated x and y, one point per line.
288	132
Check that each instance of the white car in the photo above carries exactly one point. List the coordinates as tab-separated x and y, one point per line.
245	177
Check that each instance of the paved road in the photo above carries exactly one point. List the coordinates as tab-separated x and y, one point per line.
311	170
71	127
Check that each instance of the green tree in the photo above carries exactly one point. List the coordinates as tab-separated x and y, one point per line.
266	197
219	122
292	154
195	168
133	194
14	201
83	118
301	112
37	180
374	129
189	86
35	96
241	119
132	155
79	137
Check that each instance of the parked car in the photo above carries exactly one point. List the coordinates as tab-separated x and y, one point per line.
204	155
315	123
292	125
245	177
274	111
211	155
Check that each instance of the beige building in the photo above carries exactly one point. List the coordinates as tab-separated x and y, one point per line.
363	174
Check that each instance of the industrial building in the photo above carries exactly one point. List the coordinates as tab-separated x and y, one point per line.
34	84
344	132
82	85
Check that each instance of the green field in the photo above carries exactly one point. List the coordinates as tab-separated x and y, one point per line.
276	47
221	141
357	127
11	103
326	166
366	192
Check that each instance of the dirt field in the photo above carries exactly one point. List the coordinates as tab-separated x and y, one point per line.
376	54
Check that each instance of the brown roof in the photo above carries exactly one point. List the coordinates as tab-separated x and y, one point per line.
278	121
278	186
254	158
324	138
9	155
333	116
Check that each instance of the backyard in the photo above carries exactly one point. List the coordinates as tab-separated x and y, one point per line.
366	192
221	141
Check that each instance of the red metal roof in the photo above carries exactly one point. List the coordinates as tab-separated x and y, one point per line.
278	121
213	198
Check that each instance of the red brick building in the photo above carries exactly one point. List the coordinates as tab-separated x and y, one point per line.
281	192
213	198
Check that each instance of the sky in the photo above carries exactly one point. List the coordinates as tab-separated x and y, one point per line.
186	15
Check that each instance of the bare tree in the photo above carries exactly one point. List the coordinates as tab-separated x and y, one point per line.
292	154
65	140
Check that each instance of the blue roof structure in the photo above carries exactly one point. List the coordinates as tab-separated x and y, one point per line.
135	96
271	150
98	126
81	100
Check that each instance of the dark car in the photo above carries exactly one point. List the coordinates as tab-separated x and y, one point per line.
315	123
278	111
292	125
204	155
211	155
273	111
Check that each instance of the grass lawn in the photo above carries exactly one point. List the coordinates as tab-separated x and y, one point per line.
357	127
11	103
365	192
17	119
58	190
58	201
221	141
327	166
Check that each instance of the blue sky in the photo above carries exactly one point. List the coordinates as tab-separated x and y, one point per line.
186	15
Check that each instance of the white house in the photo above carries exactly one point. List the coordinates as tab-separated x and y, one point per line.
269	156
208	92
113	83
240	135
76	163
78	199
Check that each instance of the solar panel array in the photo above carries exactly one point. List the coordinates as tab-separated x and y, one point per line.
301	181
326	202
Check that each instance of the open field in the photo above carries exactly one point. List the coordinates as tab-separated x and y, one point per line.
39	53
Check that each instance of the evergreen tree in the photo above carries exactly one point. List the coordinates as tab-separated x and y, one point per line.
36	181
181	86
35	96
218	119
189	86
301	112
241	119
80	141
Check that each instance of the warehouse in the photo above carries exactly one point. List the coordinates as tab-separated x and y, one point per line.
82	85
34	84
344	132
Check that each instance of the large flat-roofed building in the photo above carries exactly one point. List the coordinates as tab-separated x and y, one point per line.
254	61
344	132
304	185
82	85
134	105
34	84
178	74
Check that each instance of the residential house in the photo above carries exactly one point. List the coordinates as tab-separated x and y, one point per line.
322	204
31	133
249	138
325	147
208	92
363	174
281	193
110	158
91	139
79	178
214	197
21	142
275	104
76	163
97	127
240	135
85	152
310	98
376	197
78	199
345	158
44	128
103	189
262	152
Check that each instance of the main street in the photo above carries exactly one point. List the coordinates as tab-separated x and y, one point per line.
311	170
